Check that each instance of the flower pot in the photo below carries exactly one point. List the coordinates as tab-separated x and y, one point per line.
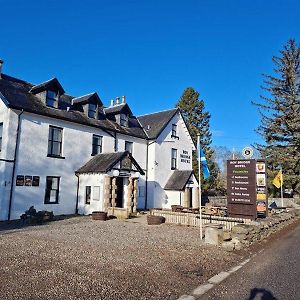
155	220
99	215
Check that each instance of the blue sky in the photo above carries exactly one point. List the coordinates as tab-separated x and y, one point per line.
151	51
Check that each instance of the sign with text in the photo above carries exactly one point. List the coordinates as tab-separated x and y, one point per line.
261	188
241	188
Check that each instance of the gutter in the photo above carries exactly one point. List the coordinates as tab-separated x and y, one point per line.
14	165
77	194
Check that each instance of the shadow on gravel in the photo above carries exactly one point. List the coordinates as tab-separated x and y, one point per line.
262	294
20	224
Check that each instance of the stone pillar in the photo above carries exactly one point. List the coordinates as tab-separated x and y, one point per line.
135	194
195	197
107	192
186	198
129	192
113	191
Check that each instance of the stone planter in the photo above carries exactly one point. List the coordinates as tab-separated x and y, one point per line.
99	215
155	220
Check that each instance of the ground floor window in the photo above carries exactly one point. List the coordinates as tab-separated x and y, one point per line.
88	192
96	193
52	189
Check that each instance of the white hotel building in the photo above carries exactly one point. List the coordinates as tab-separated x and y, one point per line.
72	155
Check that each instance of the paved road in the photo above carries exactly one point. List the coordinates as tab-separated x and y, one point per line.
273	274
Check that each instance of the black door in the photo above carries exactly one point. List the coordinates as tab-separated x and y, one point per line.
191	196
120	190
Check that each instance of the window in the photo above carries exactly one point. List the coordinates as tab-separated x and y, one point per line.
174	131
173	159
55	142
51	99
123	120
92	110
128	146
52	190
96	193
1	133
96	144
88	192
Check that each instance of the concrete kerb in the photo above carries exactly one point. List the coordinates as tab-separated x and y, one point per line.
213	281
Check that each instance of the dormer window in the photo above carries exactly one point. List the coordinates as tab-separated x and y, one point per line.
92	110
51	99
124	120
174	131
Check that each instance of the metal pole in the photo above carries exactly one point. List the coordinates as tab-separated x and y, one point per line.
199	173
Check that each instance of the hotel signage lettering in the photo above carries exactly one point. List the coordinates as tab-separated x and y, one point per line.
185	157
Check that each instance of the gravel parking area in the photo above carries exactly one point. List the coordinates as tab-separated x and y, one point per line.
78	258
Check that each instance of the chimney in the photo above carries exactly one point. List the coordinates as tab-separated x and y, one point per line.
117	100
123	99
112	102
1	64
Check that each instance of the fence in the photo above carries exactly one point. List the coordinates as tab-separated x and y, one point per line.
191	219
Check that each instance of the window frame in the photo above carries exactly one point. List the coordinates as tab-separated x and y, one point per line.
131	146
124	120
94	112
174	131
46	199
54	99
51	142
173	159
86	201
99	146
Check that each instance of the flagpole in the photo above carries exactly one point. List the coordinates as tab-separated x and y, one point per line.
281	184
199	176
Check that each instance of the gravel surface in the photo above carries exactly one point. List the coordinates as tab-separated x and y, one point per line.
79	258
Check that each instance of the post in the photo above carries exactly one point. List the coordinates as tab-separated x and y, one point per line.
199	167
281	188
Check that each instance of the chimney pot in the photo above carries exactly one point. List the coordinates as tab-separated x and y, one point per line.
123	99
1	63
117	100
112	102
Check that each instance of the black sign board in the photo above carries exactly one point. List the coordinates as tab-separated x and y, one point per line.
20	180
35	180
28	180
241	188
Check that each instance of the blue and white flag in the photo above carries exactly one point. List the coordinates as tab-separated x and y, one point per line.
203	161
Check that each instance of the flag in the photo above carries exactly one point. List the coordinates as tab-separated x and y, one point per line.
278	180
203	161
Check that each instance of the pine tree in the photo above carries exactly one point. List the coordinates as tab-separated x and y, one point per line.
197	120
280	118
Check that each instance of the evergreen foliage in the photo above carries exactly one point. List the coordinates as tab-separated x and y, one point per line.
280	118
197	120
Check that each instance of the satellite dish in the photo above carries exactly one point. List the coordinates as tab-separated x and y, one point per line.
247	152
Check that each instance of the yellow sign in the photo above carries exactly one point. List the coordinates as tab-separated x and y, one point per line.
261	196
278	180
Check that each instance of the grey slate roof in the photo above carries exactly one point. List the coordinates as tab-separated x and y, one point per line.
155	123
178	180
51	84
84	99
18	95
104	162
118	109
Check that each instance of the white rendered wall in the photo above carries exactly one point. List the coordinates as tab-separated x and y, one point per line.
160	160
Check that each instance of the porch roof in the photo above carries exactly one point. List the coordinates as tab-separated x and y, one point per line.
104	162
178	180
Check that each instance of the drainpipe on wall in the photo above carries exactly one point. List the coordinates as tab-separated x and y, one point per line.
14	165
77	194
146	188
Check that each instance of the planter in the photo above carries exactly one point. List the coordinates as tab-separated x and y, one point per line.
155	220
99	215
176	208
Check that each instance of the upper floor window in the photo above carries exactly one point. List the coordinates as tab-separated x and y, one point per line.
173	159
92	110
88	193
128	146
1	133
174	131
97	144
123	120
55	141
51	99
52	190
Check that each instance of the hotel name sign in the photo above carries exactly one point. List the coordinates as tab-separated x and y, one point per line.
185	157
